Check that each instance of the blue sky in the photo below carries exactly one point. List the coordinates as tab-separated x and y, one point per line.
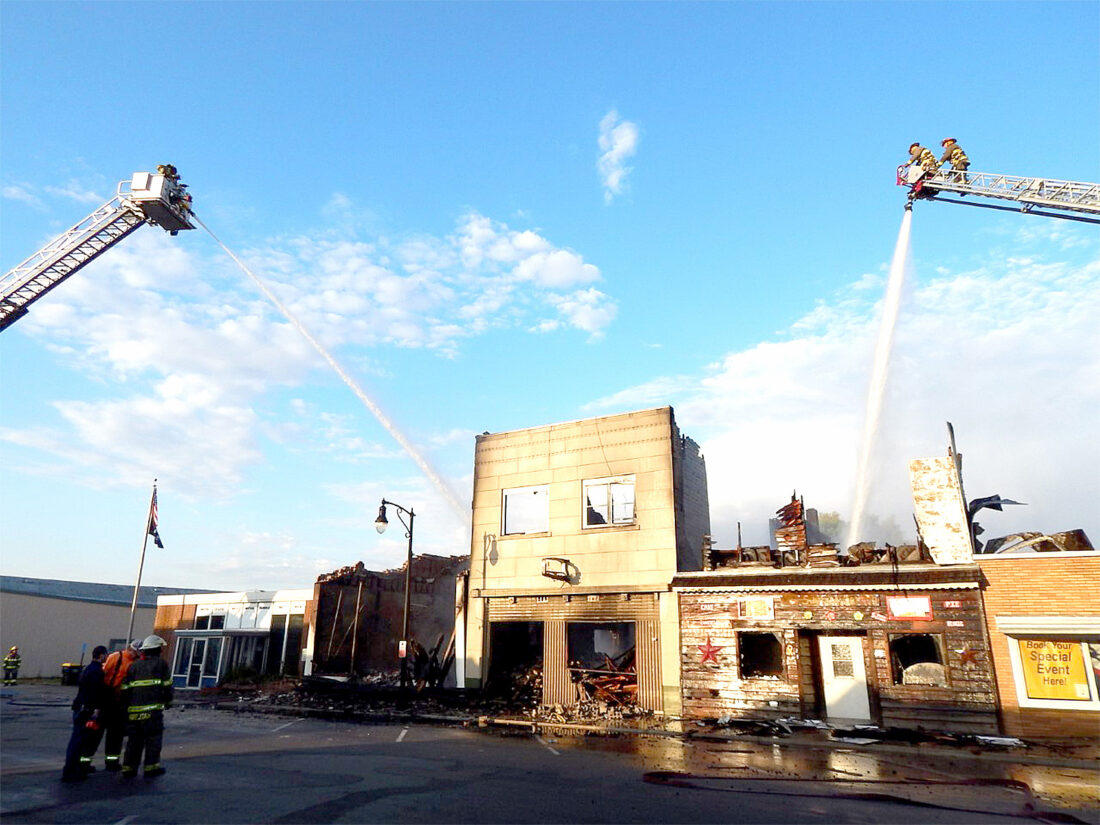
497	216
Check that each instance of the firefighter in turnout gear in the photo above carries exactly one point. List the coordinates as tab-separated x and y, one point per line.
87	725
11	666
114	713
146	693
923	158
953	154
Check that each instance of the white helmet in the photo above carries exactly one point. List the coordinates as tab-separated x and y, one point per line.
153	642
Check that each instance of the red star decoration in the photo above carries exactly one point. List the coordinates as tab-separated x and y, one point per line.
970	656
709	651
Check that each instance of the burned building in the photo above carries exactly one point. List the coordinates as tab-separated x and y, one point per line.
884	636
359	613
578	529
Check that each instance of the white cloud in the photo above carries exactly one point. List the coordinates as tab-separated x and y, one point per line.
186	352
75	191
1010	353
23	194
618	141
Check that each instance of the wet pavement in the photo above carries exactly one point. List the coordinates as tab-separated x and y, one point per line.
1057	782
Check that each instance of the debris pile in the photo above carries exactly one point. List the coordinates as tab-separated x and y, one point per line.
612	686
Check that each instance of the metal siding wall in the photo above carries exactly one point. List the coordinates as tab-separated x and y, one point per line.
648	663
557	687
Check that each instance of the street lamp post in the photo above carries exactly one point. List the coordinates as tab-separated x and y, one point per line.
380	525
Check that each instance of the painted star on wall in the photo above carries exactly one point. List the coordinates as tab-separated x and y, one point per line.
709	651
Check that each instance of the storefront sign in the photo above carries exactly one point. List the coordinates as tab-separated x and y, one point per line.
909	607
1054	670
952	603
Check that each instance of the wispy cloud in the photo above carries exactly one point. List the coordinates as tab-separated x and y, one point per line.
22	194
618	141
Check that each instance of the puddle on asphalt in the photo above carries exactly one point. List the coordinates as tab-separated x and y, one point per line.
1052	786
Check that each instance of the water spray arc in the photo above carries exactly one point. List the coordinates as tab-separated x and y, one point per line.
432	475
876	389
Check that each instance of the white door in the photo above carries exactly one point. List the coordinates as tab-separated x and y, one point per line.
844	678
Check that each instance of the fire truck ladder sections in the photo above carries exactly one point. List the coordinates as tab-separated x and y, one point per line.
1033	195
64	255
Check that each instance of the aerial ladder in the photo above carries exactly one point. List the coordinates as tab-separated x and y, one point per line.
1065	199
159	199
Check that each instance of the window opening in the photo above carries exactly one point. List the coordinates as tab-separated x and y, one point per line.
602	661
761	656
609	501
183	657
293	656
917	659
526	510
217	622
202	622
213	657
515	661
194	668
276	637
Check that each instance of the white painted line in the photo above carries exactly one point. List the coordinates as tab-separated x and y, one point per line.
287	725
546	745
401	735
126	820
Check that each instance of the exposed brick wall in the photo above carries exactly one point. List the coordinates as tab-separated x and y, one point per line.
1040	585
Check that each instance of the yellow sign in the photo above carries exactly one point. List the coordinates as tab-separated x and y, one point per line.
1054	670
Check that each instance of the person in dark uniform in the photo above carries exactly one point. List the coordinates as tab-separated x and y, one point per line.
87	731
146	693
11	666
953	154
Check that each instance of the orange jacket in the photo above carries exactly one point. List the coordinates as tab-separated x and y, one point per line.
116	666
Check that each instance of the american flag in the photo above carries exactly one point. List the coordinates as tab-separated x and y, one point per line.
153	521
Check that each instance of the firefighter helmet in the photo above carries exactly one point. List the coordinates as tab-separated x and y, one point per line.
912	145
153	642
13	649
135	644
946	141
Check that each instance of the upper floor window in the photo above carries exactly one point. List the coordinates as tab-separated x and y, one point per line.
526	510
609	501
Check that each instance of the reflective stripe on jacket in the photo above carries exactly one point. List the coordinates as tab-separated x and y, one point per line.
147	687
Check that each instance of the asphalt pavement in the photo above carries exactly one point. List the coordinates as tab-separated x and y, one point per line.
230	767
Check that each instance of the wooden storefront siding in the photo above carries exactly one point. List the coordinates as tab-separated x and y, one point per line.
967	704
556	611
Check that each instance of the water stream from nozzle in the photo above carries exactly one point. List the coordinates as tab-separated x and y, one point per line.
433	476
876	389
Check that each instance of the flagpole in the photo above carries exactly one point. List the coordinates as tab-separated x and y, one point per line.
141	563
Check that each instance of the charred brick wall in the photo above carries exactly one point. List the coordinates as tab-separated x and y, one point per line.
692	502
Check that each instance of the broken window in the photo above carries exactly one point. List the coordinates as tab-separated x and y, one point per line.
515	661
525	510
609	501
917	659
601	661
761	656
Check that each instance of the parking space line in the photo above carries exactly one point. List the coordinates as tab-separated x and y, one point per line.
401	735
546	745
287	725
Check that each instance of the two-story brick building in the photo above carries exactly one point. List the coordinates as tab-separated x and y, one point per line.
577	531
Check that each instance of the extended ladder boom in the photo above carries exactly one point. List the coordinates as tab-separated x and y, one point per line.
1035	195
158	199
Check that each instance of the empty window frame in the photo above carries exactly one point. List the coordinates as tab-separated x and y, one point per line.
917	659
760	656
525	510
601	646
609	501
